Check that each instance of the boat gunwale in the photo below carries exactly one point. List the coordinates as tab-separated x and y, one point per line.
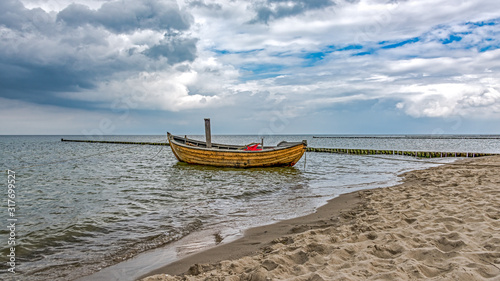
171	138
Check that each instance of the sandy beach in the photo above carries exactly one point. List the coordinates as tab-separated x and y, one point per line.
442	223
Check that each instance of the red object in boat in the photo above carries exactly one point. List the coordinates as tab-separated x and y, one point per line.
253	147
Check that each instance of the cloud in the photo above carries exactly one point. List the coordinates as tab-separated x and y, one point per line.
14	16
255	59
443	87
43	54
128	16
445	100
176	50
158	91
203	4
276	9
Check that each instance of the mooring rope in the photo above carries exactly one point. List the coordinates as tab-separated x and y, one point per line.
157	153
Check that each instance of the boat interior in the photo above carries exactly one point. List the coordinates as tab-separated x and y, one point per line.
191	142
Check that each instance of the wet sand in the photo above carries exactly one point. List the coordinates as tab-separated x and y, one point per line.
442	223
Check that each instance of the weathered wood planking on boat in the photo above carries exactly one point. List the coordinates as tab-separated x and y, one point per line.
223	155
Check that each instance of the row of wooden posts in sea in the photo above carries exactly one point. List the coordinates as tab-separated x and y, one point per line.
420	154
119	142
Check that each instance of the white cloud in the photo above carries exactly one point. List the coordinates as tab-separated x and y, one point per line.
59	5
445	100
150	91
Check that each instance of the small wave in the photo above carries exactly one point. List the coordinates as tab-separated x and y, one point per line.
251	194
51	269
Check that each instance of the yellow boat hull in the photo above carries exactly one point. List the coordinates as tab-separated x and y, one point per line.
193	152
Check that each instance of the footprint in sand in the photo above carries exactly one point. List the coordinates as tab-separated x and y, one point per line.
387	251
446	245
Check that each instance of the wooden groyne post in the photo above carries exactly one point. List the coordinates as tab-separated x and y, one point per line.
118	142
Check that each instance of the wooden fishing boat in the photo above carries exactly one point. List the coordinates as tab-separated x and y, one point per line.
238	156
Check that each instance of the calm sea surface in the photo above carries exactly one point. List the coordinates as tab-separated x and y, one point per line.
81	207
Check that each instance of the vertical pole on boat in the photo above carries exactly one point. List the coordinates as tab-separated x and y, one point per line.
208	135
262	142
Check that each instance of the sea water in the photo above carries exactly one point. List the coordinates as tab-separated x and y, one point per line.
82	207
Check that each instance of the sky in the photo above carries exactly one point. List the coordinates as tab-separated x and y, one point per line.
108	67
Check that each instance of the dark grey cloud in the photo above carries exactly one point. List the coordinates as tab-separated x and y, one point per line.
275	9
13	15
202	4
40	84
127	16
175	50
28	79
47	56
76	15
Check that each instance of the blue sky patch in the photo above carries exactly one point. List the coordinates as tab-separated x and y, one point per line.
399	44
312	58
228	52
363	53
351	47
260	71
484	23
451	39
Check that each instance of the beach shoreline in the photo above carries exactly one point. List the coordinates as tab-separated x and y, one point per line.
256	238
442	222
